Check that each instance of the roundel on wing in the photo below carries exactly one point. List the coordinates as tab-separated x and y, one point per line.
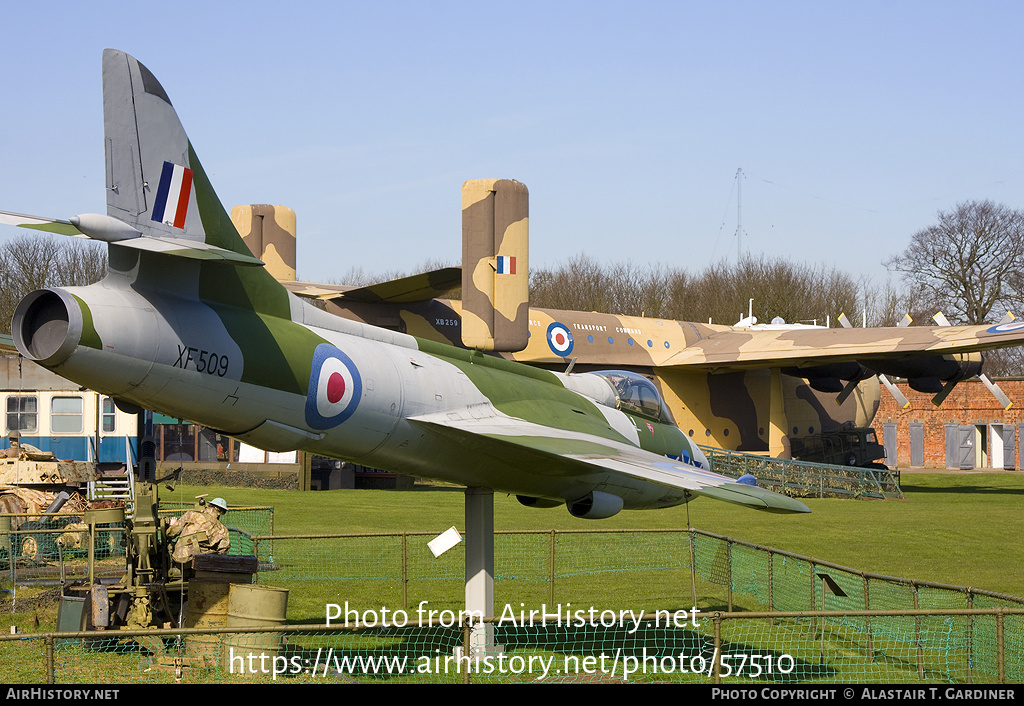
559	339
335	388
1005	328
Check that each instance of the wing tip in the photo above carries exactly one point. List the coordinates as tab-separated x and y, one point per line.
756	497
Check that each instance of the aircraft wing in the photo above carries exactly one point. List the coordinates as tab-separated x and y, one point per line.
561	452
404	290
803	347
110	230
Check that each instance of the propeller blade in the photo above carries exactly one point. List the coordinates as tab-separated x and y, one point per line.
996	392
943	393
847	391
894	391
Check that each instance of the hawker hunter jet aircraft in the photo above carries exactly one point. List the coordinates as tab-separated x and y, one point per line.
188	323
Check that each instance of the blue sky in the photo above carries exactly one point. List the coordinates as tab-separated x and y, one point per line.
853	123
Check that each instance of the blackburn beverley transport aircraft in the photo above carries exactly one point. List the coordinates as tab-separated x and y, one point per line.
746	387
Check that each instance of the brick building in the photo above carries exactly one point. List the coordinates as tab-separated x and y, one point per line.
969	430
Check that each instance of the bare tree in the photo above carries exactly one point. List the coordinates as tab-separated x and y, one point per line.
796	292
30	262
580	285
969	264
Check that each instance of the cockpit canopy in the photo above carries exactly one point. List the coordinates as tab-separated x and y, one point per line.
637	395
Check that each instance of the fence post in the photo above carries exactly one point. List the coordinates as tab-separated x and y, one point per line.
917	635
467	639
771	585
814	601
693	568
728	566
1000	653
551	568
405	571
716	659
970	638
867	618
49	641
5	539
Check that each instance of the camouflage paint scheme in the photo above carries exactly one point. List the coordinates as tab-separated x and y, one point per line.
729	387
725	408
189	324
495	280
745	387
270	231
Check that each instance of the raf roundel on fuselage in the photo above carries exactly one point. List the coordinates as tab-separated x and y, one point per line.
560	339
335	387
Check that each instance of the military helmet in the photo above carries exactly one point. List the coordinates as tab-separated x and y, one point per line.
219	503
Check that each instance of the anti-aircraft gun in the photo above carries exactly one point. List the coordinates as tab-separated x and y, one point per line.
145	595
153	591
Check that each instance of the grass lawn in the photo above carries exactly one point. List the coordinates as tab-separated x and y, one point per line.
959	529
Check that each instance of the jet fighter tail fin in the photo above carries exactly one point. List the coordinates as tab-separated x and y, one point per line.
156	185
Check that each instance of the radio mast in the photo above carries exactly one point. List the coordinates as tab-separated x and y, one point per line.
739	215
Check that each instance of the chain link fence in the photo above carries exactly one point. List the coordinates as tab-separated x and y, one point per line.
644	571
601	605
42	548
775	648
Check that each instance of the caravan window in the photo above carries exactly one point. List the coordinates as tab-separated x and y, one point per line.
66	415
109	415
22	414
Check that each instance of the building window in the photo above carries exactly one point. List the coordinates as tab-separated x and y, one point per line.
109	415
22	414
66	415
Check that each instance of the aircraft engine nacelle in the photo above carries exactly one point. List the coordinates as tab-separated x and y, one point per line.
829	378
927	373
595	506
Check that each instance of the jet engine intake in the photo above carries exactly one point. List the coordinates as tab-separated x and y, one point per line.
47	326
595	506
